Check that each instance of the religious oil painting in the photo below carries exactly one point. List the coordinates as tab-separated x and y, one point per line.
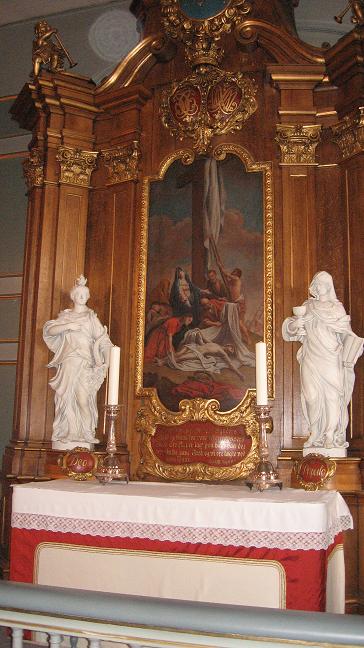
205	279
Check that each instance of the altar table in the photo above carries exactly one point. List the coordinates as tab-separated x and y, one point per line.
218	543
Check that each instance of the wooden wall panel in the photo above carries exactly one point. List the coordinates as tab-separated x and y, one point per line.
299	264
354	196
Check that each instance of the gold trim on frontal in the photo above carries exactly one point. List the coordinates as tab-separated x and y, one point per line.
153	412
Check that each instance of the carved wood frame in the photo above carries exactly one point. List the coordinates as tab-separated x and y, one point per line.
153	412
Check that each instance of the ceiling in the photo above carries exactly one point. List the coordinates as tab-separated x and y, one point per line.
13	11
314	18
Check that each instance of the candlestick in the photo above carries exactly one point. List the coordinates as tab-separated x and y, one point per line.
114	369
264	476
261	373
111	468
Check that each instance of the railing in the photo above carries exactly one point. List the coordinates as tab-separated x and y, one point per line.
145	622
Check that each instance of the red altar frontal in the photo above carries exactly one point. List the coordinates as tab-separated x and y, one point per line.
213	543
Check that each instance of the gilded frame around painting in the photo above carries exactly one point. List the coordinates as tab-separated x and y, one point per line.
153	411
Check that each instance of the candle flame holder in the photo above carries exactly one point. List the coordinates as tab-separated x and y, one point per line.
111	469
264	476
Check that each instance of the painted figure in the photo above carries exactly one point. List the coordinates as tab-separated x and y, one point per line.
81	348
327	357
185	296
161	342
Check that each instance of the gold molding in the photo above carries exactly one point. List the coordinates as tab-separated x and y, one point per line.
298	143
33	168
209	102
122	162
348	134
202	37
76	165
153	411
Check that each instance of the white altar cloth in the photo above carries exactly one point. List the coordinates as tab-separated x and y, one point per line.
292	519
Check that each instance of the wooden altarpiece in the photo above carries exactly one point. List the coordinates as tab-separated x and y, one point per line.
96	151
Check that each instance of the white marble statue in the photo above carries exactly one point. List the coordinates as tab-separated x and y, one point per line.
327	357
81	349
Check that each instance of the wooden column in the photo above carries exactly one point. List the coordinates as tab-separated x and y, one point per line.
346	71
112	236
60	111
297	136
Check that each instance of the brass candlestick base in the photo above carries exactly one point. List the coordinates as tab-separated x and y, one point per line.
264	476
111	469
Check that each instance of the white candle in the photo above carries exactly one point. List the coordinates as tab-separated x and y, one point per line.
261	373
114	369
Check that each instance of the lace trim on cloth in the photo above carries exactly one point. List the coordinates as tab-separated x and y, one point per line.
235	537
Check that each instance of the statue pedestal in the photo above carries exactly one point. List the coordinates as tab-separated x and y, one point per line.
333	453
70	445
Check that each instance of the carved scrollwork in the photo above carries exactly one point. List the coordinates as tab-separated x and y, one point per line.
33	169
76	165
202	37
298	143
349	134
153	414
122	162
208	103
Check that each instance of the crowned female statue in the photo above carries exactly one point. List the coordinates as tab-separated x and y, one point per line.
327	357
81	348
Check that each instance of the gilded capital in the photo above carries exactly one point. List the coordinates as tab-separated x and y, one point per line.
349	134
122	162
76	165
33	169
298	143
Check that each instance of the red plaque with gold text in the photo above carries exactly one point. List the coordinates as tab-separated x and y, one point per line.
78	463
313	471
197	442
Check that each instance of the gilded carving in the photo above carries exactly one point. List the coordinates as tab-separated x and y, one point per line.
122	162
349	134
202	37
298	143
153	413
48	50
33	169
357	12
208	103
76	165
313	471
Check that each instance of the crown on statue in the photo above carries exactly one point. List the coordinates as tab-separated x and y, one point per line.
80	281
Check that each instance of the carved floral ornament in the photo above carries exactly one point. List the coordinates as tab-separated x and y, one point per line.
298	143
207	103
122	162
76	165
202	37
349	134
33	169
